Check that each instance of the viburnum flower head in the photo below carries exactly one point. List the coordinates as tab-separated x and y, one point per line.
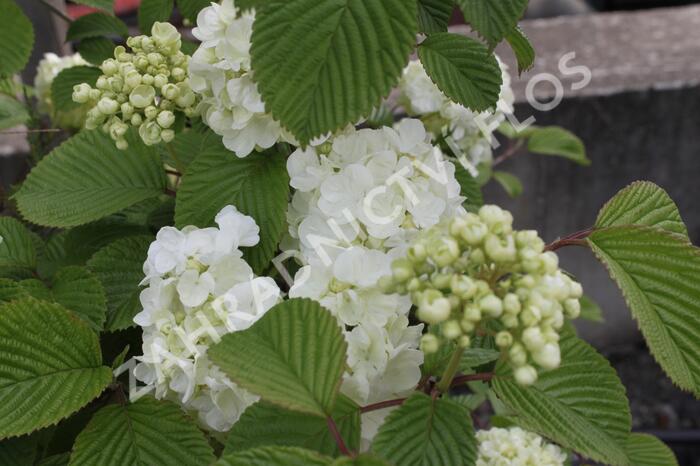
145	88
360	197
516	447
472	132
221	74
199	288
473	272
48	68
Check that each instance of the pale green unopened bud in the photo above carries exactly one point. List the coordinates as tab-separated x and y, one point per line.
107	106
178	74
150	112
525	375
95	94
122	144
444	251
127	110
185	99
441	281
530	316
165	34
504	339
417	253
533	339
170	91
511	303
136	119
166	119
160	80
451	329
549	261
147	79
102	83
548	357
500	250
472	312
81	93
464	341
402	270
491	305
142	96
467	325
167	135
510	320
109	67
517	355
429	344
463	286
572	308
150	133
575	290
434	307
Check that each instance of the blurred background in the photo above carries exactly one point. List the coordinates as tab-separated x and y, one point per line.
639	116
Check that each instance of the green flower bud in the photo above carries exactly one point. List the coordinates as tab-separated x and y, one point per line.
429	344
102	83
533	339
548	357
178	74
444	251
147	79
119	50
517	355
107	106
525	375
160	80
500	250
504	339
572	307
417	253
167	135
434	307
136	119
511	303
165	119
550	262
467	325
165	34
575	290
451	329
122	144
510	321
81	93
150	133
472	312
530	316
150	112
109	67
491	305
132	79
464	341
170	91
441	281
185	99
142	96
402	270
414	284
463	286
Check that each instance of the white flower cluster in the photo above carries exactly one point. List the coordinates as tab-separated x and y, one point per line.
516	447
144	89
359	199
472	132
200	288
475	270
46	71
220	72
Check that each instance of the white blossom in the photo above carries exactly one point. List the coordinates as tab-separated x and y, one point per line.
220	72
471	131
516	447
359	199
198	289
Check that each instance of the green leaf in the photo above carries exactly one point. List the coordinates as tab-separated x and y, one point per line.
16	38
522	48
581	405
106	5
658	273
427	432
590	310
475	357
18	253
60	459
11	290
12	112
119	267
361	460
87	178
96	49
267	424
509	182
77	290
553	140
642	203
275	456
50	366
463	68
151	11
434	15
493	19
293	356
188	145
191	8
331	67
258	185
647	450
62	85
470	188
96	25
145	433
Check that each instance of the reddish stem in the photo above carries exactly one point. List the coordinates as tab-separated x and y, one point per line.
170	192
462	379
574	239
382	405
333	428
508	153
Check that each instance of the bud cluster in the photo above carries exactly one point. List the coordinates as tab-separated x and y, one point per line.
474	274
144	88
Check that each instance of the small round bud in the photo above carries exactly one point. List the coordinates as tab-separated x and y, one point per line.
417	253
511	303
132	79
549	261
109	67
402	270
95	94
471	312
572	308
170	91
464	341
500	250
150	133
517	355
441	281
81	93
463	286
525	375
102	83
429	343
150	112
178	74
451	329
434	308
533	339
548	357
167	135
575	290
530	316
491	305
142	96
185	99
107	106
122	144
160	80
166	119
444	252
136	119
147	79
504	339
